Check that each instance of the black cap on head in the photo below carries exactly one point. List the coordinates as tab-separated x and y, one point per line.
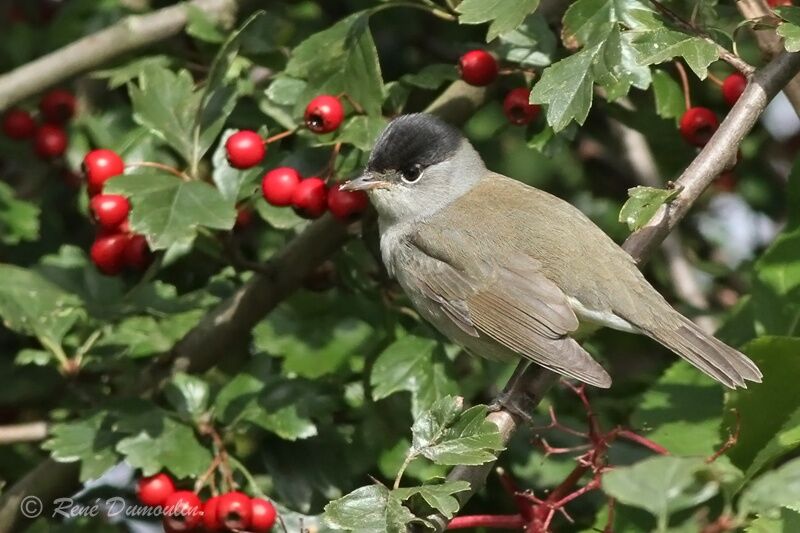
417	139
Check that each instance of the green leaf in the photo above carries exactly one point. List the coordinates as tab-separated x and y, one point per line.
281	99
775	489
764	439
447	436
90	441
360	131
789	29
785	520
532	44
661	485
438	495
682	411
165	444
275	405
31	305
188	395
168	210
776	291
410	364
504	15
120	76
431	76
368	509
642	204
670	102
341	59
202	26
145	336
278	217
663	44
165	103
19	220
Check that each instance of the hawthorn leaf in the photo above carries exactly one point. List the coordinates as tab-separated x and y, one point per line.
188	395
168	210
19	220
663	44
503	15
431	76
146	336
776	522
447	436
369	509
642	204
773	490
90	440
789	28
165	443
119	76
661	485
201	26
670	102
532	44
359	131
437	495
776	288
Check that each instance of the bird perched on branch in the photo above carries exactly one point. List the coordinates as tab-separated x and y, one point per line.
509	271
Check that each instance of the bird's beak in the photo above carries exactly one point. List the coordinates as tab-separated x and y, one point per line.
365	183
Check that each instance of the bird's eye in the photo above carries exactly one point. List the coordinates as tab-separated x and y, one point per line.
412	173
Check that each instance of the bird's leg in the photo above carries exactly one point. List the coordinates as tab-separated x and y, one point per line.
524	390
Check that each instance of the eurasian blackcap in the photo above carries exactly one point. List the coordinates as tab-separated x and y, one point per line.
509	271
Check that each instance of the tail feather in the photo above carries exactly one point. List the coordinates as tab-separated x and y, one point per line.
723	363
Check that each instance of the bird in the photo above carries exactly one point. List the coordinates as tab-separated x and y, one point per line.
509	271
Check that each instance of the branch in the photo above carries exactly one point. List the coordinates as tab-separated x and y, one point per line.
90	52
770	44
26	432
717	154
230	322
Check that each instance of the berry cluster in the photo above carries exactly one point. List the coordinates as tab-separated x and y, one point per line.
185	511
49	138
480	68
115	247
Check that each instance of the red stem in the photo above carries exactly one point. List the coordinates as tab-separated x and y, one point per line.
513	521
685	83
643	441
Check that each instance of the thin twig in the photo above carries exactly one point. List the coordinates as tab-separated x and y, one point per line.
687	98
24	432
160	166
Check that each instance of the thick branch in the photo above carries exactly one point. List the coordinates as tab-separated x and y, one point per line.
231	321
25	432
770	44
94	50
712	160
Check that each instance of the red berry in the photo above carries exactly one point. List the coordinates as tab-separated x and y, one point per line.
235	510
518	109
18	124
310	198
278	185
478	67
109	210
137	255
245	149
211	521
154	490
108	253
697	125
726	182
57	106
183	511
733	87
100	166
244	217
263	517
50	141
779	3
346	205
324	114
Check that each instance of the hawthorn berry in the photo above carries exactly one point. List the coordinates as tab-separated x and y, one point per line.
50	141
18	124
244	217
779	3
235	510
726	182
324	114
517	109
346	205
697	125
245	149
137	255
211	521
263	516
278	186
733	87
57	106
109	210
182	511
108	253
154	490
310	198
100	166
478	67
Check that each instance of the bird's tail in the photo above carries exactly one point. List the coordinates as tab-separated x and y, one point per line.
728	366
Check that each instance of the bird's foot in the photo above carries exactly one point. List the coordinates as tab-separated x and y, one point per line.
519	405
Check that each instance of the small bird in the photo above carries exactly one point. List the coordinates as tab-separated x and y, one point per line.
506	270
